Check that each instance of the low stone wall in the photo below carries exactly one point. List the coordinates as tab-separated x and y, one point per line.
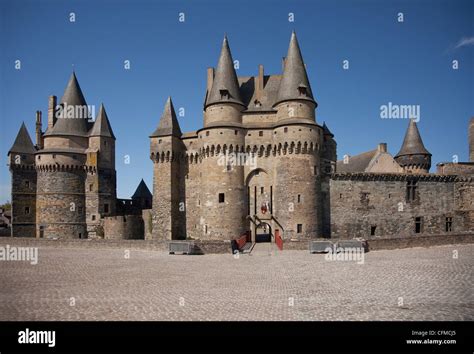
86	243
419	241
210	247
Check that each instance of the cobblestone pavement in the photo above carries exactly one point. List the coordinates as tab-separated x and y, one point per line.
79	284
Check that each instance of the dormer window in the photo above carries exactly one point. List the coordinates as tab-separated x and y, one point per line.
303	90
224	94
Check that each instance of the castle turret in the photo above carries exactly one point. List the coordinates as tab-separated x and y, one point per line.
298	141
61	167
413	156
101	180
223	102
295	97
142	198
166	147
21	160
223	196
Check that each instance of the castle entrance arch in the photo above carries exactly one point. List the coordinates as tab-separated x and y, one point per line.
260	203
263	232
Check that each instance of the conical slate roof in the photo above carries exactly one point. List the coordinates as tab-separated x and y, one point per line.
102	125
412	144
75	123
23	143
225	78
168	122
294	80
142	191
326	130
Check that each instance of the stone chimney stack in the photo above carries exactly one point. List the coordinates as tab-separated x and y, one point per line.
51	111
210	78
39	133
471	140
382	147
259	83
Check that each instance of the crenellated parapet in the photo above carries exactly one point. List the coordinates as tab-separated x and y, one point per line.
399	177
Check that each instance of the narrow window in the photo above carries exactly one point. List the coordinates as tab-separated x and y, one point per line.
411	190
159	141
91	187
285	130
260	133
27	210
207	133
105	142
236	132
299	228
229	167
449	224
205	229
74	157
340	196
54	156
299	198
27	184
262	189
93	217
80	234
106	208
418	224
221	198
372	230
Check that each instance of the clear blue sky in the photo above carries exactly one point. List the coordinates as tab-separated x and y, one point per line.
402	63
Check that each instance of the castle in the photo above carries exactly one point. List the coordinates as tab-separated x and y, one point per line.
261	162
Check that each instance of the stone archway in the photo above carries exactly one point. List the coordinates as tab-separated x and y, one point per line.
263	232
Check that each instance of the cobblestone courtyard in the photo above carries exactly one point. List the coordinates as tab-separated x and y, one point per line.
80	284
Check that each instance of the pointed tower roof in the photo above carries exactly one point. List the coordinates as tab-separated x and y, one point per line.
326	130
412	144
294	84
225	79
102	125
142	191
23	143
75	123
168	122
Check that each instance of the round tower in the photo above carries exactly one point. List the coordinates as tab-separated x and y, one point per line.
297	140
413	156
222	140
60	168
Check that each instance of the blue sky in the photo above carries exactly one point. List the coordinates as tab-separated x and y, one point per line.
407	62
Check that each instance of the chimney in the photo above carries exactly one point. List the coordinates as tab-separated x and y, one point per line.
210	78
39	133
382	147
259	83
51	111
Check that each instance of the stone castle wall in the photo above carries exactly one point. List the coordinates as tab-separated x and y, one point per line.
127	227
361	203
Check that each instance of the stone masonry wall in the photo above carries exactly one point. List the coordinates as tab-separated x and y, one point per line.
362	207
